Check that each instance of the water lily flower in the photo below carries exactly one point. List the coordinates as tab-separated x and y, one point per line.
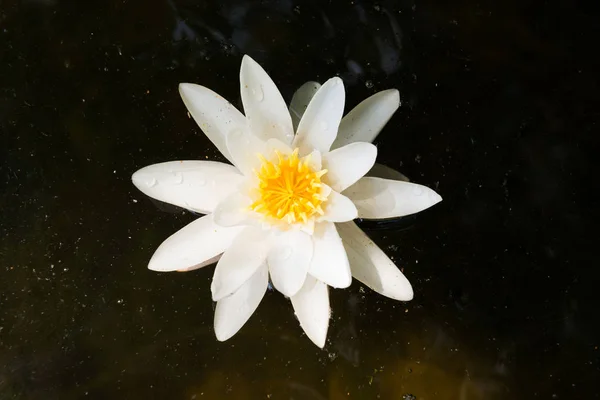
284	207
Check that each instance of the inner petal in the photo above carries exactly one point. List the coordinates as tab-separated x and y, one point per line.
289	188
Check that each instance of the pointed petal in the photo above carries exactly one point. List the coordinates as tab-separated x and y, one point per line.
329	261
338	208
244	149
371	266
348	164
311	305
288	259
195	185
383	198
367	119
319	124
265	109
300	101
194	244
233	311
239	262
213	114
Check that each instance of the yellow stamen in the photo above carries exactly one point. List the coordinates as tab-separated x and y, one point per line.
288	189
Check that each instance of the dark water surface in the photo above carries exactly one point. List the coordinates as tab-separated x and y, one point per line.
499	113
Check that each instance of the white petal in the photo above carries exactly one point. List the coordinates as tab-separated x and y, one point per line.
213	114
288	260
195	185
300	101
273	145
239	262
245	149
265	109
367	119
383	171
233	311
319	124
196	243
308	226
329	261
235	210
316	160
371	266
202	264
338	208
348	164
311	305
383	198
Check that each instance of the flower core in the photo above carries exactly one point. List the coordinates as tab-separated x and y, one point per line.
289	189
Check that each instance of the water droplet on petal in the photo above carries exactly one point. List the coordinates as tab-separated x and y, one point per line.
177	178
417	190
258	93
151	182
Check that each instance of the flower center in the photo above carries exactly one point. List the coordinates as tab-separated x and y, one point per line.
289	189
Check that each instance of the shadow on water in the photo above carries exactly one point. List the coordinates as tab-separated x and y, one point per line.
496	116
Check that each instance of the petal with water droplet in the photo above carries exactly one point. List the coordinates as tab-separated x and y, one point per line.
233	311
239	262
319	124
329	261
377	198
213	114
196	185
288	260
364	122
265	109
196	243
311	305
371	266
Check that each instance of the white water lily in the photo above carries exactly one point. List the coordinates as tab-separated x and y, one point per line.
284	209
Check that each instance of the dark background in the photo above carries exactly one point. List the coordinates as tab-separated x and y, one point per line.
499	113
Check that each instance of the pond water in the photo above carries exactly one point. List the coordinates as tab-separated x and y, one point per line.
496	116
